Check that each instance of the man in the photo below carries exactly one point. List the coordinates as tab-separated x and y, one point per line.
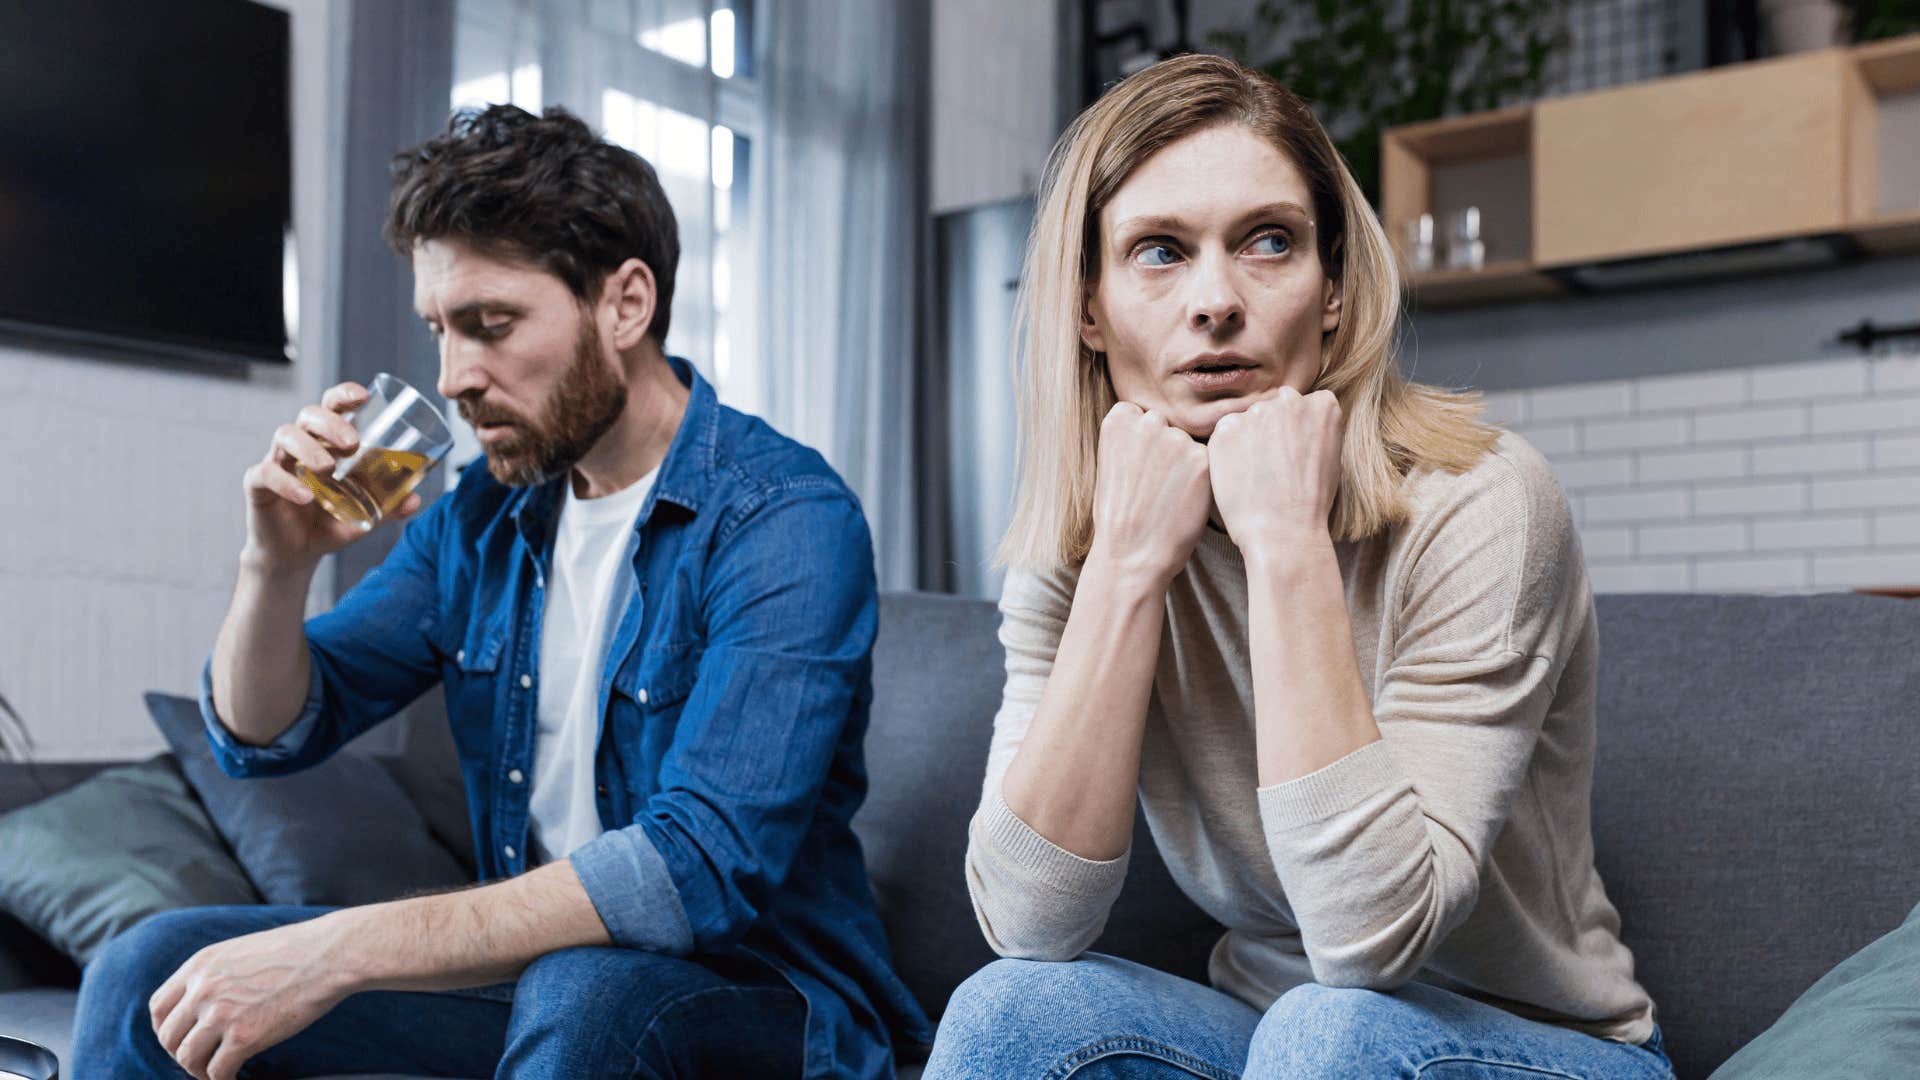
653	617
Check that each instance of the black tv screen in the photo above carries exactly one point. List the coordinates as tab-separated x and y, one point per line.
146	174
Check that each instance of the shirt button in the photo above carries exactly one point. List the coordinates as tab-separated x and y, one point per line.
509	850
600	789
526	682
515	776
643	695
460	657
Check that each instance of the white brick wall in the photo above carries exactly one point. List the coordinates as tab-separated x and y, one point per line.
122	482
1800	477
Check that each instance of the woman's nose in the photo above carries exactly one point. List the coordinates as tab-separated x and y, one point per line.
1214	305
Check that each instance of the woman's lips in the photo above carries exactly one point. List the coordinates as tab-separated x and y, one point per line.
1219	378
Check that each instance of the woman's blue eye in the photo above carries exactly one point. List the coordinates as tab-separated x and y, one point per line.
1282	245
1156	255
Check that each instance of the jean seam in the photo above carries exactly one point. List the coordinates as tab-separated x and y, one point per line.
1478	1059
1092	1052
660	1014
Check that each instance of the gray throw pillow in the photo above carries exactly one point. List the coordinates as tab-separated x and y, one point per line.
1861	1020
338	834
89	862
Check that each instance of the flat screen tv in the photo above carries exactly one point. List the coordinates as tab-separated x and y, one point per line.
146	175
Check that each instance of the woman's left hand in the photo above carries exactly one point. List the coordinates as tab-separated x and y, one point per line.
1275	468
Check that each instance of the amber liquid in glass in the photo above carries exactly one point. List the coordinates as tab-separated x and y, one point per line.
377	483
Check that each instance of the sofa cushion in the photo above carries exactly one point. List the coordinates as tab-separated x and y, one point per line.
938	671
100	856
340	833
1861	1020
1753	802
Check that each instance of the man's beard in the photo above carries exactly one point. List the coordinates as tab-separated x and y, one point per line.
584	406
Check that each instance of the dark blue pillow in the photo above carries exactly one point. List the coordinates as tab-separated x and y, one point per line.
340	833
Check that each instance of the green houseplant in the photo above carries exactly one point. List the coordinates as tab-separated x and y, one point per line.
1367	65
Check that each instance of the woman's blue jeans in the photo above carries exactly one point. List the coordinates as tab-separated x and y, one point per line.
1111	1019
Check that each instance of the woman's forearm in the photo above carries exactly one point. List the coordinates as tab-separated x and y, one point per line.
1074	777
1310	705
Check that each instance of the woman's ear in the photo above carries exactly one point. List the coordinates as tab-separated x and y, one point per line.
1330	306
1091	334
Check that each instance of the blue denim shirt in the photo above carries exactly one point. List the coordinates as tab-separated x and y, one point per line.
735	695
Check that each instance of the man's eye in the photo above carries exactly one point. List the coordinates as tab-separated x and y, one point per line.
496	331
1273	243
1155	255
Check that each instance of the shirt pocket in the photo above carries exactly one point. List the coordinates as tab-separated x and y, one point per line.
470	653
644	711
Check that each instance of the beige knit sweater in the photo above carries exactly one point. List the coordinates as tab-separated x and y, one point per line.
1456	851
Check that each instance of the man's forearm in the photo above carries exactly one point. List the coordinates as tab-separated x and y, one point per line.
261	668
473	937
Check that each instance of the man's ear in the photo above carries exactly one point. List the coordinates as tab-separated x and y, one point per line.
1091	333
633	293
1330	306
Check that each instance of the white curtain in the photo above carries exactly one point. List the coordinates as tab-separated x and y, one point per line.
842	185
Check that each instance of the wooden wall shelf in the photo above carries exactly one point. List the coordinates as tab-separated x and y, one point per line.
1807	145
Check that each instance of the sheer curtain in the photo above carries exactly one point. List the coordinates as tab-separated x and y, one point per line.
790	138
843	175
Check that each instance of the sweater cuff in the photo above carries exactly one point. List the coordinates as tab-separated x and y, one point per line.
1012	840
1332	790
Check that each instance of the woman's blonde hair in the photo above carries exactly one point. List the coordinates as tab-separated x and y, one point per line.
1064	391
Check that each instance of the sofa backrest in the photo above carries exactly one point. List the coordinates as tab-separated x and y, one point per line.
937	675
1754	816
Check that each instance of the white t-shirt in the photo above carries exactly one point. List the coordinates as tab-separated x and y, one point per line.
587	593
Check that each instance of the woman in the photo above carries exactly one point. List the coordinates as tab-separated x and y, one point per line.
1334	632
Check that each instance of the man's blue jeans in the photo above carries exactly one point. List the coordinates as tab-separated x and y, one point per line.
1102	1018
576	1012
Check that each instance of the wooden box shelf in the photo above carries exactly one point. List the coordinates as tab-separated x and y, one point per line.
1817	144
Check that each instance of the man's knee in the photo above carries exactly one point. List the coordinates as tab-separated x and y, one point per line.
142	957
111	1018
589	1011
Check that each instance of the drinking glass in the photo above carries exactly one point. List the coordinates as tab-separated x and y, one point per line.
402	437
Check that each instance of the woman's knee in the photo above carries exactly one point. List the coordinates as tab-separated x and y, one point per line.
1313	1028
1004	992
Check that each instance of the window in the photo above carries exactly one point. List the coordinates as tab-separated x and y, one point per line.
671	80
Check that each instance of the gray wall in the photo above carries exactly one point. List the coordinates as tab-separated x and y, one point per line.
1750	322
122	474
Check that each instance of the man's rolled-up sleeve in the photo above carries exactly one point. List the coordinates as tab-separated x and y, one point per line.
791	610
371	655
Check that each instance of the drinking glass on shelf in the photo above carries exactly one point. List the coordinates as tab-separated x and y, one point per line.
1417	242
402	437
1466	248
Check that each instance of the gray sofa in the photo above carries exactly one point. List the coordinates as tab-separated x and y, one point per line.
1754	810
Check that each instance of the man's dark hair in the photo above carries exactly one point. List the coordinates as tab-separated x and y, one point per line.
544	189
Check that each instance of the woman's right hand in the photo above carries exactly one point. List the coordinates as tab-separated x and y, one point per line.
1151	494
287	529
